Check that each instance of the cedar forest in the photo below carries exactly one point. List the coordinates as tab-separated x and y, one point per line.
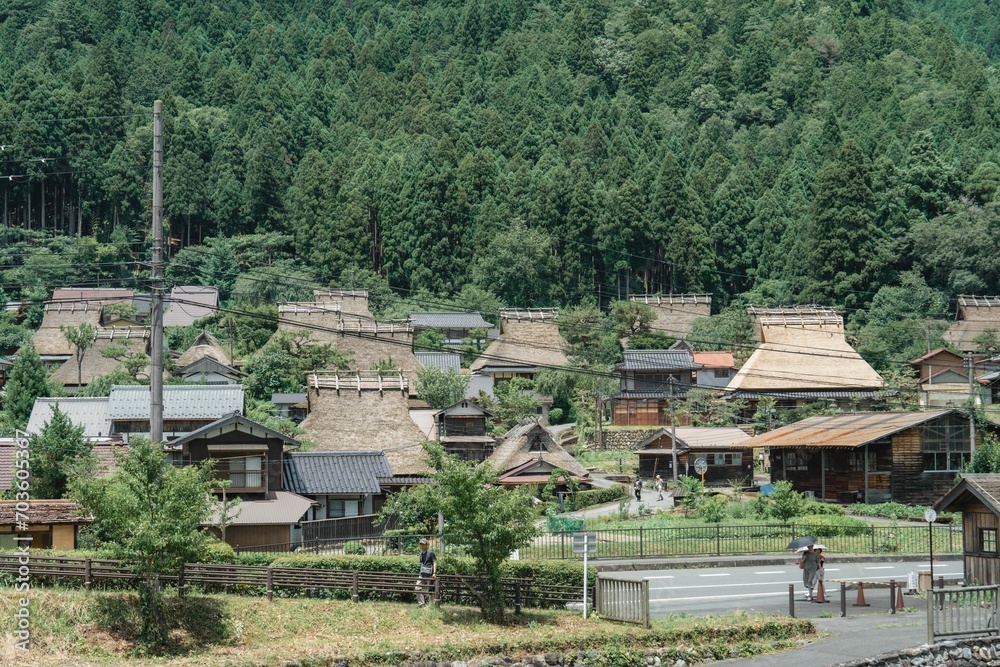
486	152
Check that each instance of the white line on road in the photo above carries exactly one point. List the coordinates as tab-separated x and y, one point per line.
758	583
880	567
724	597
935	565
665	576
832	569
773	572
722	574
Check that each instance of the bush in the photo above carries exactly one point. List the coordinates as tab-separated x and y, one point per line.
217	551
255	559
786	502
713	509
584	499
900	511
814	507
826	525
355	549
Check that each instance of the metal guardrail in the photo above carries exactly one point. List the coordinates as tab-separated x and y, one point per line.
625	600
962	611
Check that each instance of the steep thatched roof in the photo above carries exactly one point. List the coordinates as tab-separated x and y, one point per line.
804	353
353	302
360	420
45	512
530	441
95	364
528	339
975	315
49	338
675	313
810	316
205	345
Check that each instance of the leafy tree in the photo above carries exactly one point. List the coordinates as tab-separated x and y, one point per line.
439	388
519	267
81	338
134	362
430	340
986	458
987	340
473	345
52	449
149	513
515	400
25	384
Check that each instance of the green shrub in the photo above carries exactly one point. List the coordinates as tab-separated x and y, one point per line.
900	511
584	499
255	559
713	508
355	549
786	502
814	507
826	525
740	509
692	492
217	551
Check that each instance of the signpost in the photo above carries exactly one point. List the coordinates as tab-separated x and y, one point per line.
586	544
931	516
701	467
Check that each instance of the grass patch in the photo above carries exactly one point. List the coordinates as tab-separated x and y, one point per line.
99	628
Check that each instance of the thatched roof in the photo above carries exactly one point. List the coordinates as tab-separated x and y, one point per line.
528	339
530	441
45	512
95	364
975	315
675	313
811	316
812	354
353	302
353	420
205	345
104	450
49	338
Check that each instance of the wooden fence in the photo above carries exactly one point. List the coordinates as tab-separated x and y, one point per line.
962	611
624	600
355	585
344	528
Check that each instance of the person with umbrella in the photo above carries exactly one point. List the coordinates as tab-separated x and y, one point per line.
809	564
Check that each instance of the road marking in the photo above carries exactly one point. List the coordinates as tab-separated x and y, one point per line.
757	583
771	572
880	567
832	569
935	565
724	597
666	576
723	574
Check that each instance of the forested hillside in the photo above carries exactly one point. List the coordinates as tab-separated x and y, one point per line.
553	152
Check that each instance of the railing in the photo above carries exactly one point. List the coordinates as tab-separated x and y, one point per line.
345	528
966	611
624	600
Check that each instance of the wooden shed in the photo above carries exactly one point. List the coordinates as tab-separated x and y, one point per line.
721	447
977	497
907	457
52	524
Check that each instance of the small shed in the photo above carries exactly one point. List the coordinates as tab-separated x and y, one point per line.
977	497
720	446
52	524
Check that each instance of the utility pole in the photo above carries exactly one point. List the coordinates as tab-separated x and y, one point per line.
673	429
156	274
972	404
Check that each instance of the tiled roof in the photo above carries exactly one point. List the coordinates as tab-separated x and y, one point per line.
90	413
984	486
189	303
102	295
335	472
673	360
829	393
179	401
290	399
455	320
229	424
443	361
209	365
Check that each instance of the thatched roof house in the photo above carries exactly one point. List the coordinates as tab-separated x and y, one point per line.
975	315
529	340
53	523
529	453
49	339
95	364
205	345
353	302
362	411
675	313
803	355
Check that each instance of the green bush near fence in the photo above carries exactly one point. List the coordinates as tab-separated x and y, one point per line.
825	525
901	512
592	497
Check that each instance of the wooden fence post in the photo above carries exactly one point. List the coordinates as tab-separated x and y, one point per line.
437	591
87	580
180	582
270	583
517	596
354	588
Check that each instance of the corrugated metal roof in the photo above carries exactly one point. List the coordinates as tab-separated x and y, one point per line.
449	362
101	294
283	509
189	303
674	360
830	393
90	413
316	473
846	430
179	401
715	359
698	437
452	320
290	399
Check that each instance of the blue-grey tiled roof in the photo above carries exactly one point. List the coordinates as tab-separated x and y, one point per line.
212	401
672	360
449	321
319	473
288	399
90	413
443	361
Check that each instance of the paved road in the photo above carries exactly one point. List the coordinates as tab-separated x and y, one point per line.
764	588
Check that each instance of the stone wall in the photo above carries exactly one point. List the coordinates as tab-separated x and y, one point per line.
621	439
976	652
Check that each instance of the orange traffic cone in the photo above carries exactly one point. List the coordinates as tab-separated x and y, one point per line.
899	598
861	596
820	593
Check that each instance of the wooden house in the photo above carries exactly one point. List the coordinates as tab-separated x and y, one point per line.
90	413
293	406
977	497
675	313
456	326
343	484
96	364
717	368
942	379
974	315
907	457
461	430
54	524
529	453
529	341
647	378
363	411
49	340
186	408
251	457
803	357
352	303
722	449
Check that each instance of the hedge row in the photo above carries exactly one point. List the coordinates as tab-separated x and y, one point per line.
585	499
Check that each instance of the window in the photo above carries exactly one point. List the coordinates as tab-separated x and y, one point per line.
945	445
337	509
988	540
724	458
536	443
797	460
721	372
246	472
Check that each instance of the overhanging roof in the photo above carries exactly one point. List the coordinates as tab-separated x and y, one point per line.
281	509
983	487
844	430
321	473
233	423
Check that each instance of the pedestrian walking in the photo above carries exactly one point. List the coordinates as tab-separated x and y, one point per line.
658	487
428	572
637	488
809	564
